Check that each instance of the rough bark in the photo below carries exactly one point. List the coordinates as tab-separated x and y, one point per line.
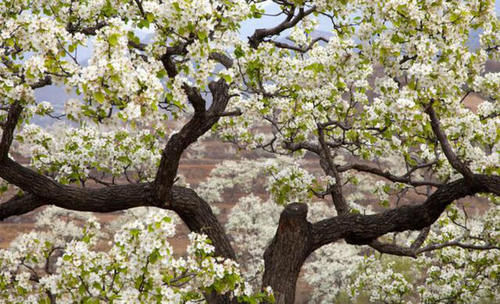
41	190
287	252
199	124
362	229
296	238
19	205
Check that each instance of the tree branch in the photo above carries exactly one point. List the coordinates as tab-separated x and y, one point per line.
395	249
199	124
192	209
222	59
364	229
291	20
445	145
297	48
415	249
337	196
406	179
19	205
8	129
91	30
456	243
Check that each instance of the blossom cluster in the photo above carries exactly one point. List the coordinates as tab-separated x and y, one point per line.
75	154
449	274
60	262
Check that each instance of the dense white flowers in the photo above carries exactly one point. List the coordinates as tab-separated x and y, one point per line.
452	274
139	266
357	92
72	153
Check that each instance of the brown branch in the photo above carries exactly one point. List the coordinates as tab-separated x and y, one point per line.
407	58
406	179
364	229
393	249
192	209
106	199
47	80
457	243
445	145
135	45
421	238
91	30
222	59
331	169
291	20
168	61
195	98
414	251
311	147
199	124
297	48
19	205
8	129
236	112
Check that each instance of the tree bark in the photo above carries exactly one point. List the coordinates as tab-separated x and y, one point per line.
41	190
287	252
296	238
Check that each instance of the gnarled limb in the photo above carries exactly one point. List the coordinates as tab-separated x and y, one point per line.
192	209
363	229
287	252
199	124
19	205
9	126
296	238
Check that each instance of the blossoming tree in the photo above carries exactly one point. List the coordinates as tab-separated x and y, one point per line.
378	102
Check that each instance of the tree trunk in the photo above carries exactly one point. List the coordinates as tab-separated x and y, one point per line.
287	252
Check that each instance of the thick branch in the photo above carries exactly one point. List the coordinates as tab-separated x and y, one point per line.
195	98
193	210
106	199
364	229
199	124
287	252
19	205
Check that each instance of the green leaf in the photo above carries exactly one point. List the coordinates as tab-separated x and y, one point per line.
202	35
99	96
150	17
113	39
238	52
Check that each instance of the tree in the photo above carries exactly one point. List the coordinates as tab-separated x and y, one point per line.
380	95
